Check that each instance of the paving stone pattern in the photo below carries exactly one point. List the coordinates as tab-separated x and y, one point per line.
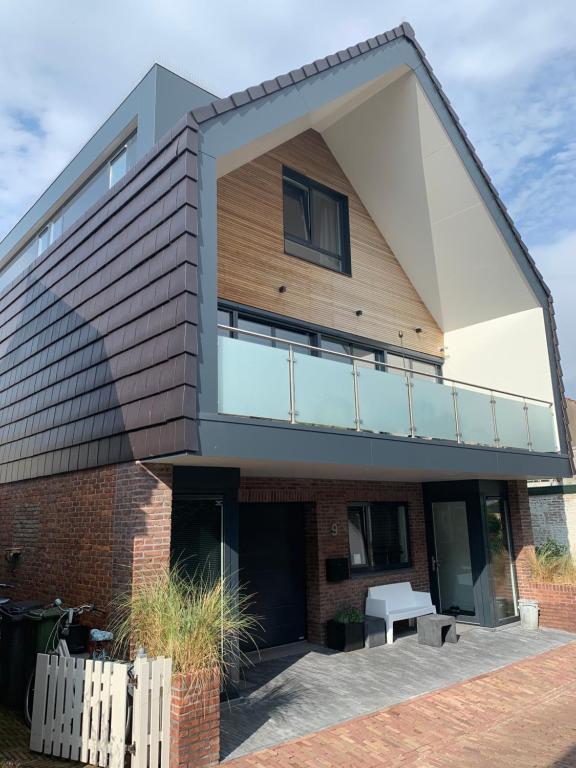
291	697
520	715
14	739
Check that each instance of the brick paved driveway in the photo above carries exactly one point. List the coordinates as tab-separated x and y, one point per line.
521	716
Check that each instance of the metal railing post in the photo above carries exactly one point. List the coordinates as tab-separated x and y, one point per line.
292	385
494	419
410	405
528	434
356	395
456	414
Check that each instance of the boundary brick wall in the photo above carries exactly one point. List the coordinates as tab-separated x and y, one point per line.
554	517
557	601
326	513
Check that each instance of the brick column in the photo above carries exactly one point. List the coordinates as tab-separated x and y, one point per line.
522	539
142	522
194	723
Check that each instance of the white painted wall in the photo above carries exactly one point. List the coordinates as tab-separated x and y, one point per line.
508	353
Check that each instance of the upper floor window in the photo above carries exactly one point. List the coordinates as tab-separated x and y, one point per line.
315	222
418	368
106	176
118	166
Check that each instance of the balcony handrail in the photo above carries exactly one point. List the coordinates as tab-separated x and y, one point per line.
436	377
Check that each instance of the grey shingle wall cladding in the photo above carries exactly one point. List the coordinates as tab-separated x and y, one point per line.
98	338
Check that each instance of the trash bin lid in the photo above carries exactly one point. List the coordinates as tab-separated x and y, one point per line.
17	610
37	614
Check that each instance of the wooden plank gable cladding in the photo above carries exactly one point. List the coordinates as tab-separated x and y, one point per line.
252	263
98	337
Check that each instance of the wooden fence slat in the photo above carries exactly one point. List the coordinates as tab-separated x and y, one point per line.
51	706
78	676
165	716
96	705
68	712
155	694
118	692
59	714
105	714
85	734
39	707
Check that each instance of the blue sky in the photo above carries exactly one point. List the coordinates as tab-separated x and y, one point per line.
509	70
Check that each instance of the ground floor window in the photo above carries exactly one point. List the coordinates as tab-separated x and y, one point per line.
378	536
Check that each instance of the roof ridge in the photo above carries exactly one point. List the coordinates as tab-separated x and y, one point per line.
260	91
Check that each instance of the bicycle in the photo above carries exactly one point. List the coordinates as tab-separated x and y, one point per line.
57	644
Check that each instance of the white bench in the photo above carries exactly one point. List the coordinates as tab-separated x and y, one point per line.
394	602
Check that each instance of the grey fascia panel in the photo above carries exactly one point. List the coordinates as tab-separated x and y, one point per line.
239	439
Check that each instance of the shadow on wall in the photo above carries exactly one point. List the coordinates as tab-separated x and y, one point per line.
62	388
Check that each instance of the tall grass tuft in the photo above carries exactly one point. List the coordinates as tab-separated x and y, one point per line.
553	563
199	622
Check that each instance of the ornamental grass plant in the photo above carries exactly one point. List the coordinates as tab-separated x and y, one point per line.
199	622
553	563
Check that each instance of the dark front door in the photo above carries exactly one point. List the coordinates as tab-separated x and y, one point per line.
272	569
451	559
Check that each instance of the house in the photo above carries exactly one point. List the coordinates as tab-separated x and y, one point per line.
291	335
553	501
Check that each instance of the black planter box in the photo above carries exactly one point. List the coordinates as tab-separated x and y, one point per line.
344	637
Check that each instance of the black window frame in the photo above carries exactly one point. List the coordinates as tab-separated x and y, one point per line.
316	335
409	367
305	249
367	508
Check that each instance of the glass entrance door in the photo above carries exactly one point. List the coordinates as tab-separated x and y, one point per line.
502	573
452	562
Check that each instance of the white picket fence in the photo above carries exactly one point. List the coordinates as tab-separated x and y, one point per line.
81	711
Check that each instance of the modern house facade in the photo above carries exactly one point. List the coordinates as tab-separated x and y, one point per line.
291	336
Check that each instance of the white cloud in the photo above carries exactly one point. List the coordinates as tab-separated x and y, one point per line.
507	68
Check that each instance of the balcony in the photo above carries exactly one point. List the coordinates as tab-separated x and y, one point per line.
272	378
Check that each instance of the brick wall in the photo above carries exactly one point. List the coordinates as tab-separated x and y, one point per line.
327	536
554	517
84	535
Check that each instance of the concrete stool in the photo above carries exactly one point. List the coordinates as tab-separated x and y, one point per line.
374	631
434	629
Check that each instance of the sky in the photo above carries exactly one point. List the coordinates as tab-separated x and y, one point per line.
509	69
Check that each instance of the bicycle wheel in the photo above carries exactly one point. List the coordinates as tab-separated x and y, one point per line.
29	698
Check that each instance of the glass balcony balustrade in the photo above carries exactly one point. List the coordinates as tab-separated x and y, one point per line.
299	384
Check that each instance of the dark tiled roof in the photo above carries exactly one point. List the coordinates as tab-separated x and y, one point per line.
239	99
406	31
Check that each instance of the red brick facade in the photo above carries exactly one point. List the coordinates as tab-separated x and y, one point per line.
84	535
327	536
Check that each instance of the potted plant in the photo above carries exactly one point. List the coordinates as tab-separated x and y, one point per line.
345	632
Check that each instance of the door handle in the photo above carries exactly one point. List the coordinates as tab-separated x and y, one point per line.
435	563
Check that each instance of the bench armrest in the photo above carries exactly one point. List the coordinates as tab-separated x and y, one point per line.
423	598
